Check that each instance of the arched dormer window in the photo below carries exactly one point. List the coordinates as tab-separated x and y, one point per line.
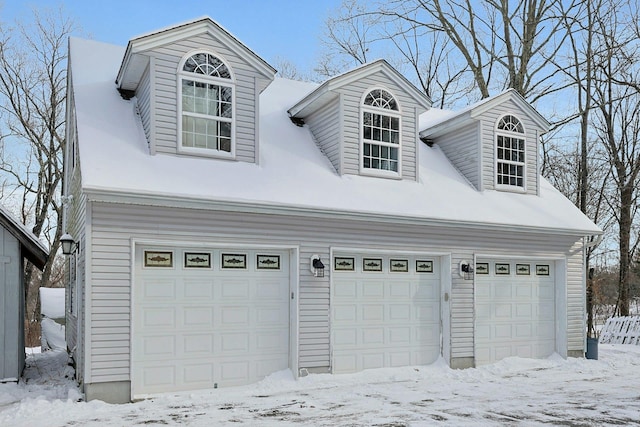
206	105
510	152
380	133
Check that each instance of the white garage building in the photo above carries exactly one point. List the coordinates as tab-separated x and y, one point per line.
208	194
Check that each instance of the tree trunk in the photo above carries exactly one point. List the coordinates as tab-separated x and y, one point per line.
626	197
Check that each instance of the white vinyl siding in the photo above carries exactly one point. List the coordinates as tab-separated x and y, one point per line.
462	308
462	149
352	119
489	120
166	60
576	303
114	225
325	124
76	226
144	104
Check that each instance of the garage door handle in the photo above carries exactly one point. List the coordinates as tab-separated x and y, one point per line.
446	296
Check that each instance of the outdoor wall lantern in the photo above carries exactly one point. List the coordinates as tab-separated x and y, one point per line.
316	266
68	244
466	270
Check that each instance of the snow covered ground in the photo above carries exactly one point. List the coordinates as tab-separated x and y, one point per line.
573	392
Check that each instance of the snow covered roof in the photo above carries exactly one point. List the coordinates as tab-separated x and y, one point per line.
292	173
36	251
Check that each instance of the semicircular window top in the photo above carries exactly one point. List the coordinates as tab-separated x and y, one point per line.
206	105
380	134
510	153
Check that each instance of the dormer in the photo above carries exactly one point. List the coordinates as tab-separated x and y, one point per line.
366	121
196	89
494	143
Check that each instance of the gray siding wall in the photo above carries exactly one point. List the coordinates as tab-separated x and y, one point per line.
11	303
164	71
144	103
462	149
113	227
489	121
352	95
325	125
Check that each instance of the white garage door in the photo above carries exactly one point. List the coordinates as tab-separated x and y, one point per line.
515	310
385	311
208	318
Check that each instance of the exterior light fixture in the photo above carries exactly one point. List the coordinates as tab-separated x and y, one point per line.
316	266
68	244
466	270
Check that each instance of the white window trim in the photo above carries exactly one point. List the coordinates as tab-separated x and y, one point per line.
230	83
393	113
523	136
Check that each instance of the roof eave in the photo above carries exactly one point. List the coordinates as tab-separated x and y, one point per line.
468	114
447	125
308	103
139	45
154	199
513	94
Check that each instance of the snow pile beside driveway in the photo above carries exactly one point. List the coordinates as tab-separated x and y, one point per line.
515	391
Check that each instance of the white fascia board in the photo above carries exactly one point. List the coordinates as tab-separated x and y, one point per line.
314	103
125	64
474	111
162	200
518	99
308	103
191	29
446	126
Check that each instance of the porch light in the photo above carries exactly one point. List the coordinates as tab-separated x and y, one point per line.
316	266
68	244
466	270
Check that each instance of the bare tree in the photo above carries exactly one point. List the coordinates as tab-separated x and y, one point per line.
289	70
504	44
580	27
32	101
347	39
360	32
617	126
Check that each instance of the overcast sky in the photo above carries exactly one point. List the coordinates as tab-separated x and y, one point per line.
289	29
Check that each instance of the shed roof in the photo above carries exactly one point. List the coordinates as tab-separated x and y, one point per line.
33	249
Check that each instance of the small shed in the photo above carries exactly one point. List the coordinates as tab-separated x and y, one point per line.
17	243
